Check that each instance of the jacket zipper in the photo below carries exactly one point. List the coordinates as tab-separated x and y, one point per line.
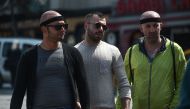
149	85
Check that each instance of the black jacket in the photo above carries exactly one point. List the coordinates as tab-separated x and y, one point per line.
26	77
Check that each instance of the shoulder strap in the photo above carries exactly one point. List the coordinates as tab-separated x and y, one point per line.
131	73
174	66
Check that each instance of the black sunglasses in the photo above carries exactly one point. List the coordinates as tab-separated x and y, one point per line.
99	25
58	27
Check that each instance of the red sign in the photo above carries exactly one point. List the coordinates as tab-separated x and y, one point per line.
124	7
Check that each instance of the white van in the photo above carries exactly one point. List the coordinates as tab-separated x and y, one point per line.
5	45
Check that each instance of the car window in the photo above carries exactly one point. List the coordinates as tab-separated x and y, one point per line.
6	48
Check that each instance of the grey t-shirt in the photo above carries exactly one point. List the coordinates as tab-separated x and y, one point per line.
53	87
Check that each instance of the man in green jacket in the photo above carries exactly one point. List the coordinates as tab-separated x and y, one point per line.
154	67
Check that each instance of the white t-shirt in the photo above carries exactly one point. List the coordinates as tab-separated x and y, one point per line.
101	62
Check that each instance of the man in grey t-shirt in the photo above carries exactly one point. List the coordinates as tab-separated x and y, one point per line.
52	73
103	62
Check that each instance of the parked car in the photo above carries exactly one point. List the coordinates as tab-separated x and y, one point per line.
5	46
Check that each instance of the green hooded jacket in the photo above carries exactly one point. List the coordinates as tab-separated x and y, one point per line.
153	86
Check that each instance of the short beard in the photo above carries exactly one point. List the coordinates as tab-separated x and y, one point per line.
152	40
55	39
92	37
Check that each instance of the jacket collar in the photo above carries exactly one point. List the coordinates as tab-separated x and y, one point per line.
142	45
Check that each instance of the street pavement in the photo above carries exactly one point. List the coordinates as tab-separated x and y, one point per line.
5	97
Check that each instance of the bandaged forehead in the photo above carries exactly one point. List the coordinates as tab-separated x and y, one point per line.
58	18
147	20
50	16
150	16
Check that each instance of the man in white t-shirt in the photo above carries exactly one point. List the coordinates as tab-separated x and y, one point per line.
103	62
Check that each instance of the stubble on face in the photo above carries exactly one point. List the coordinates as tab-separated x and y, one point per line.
96	34
152	29
152	39
54	36
151	35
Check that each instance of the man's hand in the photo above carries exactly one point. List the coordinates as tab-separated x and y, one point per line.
78	106
125	103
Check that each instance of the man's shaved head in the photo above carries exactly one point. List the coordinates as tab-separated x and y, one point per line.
149	14
48	15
